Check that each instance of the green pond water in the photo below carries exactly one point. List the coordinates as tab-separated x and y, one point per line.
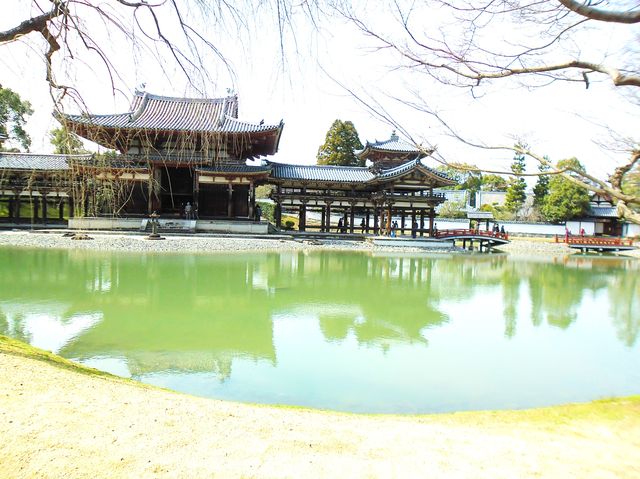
343	331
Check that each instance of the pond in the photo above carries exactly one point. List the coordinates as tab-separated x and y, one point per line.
335	330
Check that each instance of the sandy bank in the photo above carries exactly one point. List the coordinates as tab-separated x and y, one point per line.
55	423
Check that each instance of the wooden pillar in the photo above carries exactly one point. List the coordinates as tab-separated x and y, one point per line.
322	218
71	207
43	199
302	217
252	200
366	221
155	177
61	209
9	208
16	206
389	215
402	222
352	217
328	217
35	208
413	220
432	215
421	222
196	194
230	200
375	219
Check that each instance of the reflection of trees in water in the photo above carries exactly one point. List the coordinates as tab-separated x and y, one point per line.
624	300
511	277
557	289
201	312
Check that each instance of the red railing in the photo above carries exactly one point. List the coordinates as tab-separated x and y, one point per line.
467	232
593	241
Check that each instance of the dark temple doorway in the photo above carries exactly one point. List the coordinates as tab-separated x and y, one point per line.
176	190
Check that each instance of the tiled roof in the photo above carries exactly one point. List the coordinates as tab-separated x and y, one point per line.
30	161
235	168
603	211
155	112
338	174
349	174
410	165
393	144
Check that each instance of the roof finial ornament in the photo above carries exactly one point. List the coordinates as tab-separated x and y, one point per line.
140	88
394	137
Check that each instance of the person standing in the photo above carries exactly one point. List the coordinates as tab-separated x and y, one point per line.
188	211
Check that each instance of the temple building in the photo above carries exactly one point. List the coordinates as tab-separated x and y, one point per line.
396	184
189	158
174	151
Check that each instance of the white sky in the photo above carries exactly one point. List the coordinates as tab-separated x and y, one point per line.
561	120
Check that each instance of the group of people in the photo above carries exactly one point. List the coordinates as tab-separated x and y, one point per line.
498	229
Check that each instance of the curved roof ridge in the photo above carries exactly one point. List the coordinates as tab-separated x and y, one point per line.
153	96
319	166
26	153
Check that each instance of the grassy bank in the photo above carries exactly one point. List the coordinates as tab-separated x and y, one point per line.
609	409
59	419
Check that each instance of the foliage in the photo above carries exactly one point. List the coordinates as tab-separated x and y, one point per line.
467	176
631	186
263	191
339	145
516	192
452	209
65	142
13	113
499	212
541	189
566	200
268	210
492	182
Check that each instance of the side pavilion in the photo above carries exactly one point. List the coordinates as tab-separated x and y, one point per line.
395	185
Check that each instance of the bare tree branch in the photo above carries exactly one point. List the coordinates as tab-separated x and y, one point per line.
586	10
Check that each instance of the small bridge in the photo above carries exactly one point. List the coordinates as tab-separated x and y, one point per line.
485	239
596	243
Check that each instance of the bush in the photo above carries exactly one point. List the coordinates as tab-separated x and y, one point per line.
268	210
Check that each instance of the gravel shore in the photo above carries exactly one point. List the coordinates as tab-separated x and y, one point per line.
137	243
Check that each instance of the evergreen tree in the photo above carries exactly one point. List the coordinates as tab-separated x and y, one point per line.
541	190
516	191
493	182
566	200
13	111
340	145
65	142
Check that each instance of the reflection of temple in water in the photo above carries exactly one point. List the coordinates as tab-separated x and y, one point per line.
203	313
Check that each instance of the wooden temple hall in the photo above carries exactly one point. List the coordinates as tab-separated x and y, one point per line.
188	158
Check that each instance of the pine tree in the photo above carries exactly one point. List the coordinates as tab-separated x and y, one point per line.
541	190
516	192
340	145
